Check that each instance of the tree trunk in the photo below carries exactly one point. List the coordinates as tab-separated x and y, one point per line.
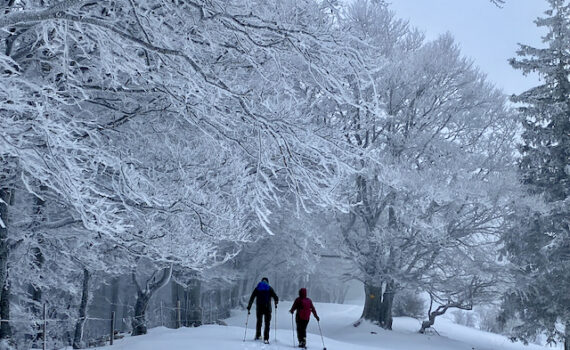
124	312
34	291
77	339
5	329
440	311
114	306
243	287
567	336
115	295
143	297
234	296
38	261
195	308
5	200
378	304
223	302
287	291
176	292
372	302
386	307
427	324
139	320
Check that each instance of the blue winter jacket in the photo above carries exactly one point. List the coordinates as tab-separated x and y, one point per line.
263	292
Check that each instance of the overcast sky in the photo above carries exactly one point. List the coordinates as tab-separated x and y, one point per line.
487	34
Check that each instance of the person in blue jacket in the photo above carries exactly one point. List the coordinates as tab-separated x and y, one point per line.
263	292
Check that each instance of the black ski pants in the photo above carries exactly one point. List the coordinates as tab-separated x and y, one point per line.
262	313
302	330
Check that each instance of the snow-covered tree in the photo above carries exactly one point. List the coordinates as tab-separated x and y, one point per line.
55	261
164	127
105	65
463	276
538	244
435	139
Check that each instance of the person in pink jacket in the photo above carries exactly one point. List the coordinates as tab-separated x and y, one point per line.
304	307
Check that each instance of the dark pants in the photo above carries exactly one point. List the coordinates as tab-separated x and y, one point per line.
263	313
302	330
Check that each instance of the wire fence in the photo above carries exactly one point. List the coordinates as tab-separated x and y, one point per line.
100	331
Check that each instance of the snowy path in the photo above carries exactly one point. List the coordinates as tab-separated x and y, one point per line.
338	332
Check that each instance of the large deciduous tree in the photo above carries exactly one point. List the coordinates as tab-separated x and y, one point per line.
164	128
435	139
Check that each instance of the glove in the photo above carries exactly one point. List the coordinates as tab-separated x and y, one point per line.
318	318
291	311
248	312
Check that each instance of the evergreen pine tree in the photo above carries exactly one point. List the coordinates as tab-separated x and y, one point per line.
538	244
546	151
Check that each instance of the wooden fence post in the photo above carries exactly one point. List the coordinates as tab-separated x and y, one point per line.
112	337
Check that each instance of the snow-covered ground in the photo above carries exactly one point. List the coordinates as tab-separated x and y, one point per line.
338	332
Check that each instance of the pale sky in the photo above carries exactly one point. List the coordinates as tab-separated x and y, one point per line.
486	33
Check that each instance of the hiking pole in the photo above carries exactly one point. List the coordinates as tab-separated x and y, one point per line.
293	329
245	332
319	323
275	322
